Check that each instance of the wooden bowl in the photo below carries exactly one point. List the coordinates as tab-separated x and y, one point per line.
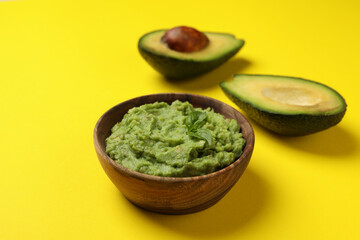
172	195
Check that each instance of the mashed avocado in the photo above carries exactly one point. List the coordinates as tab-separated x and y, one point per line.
174	140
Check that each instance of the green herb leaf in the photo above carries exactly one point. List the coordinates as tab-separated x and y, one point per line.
200	120
194	121
202	134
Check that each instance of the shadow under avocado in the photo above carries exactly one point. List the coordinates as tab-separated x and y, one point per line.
335	141
239	207
212	78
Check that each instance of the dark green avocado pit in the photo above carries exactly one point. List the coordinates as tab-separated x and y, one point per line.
180	65
286	105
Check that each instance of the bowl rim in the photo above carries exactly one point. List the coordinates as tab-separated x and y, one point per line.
248	148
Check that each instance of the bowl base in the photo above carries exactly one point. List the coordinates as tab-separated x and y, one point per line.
174	211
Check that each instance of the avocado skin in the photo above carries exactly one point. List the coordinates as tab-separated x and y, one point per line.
290	125
178	69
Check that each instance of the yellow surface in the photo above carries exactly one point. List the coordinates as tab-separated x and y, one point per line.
64	63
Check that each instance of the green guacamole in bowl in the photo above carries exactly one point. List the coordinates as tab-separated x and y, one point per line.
174	140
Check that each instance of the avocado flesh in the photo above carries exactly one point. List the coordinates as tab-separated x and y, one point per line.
179	65
286	105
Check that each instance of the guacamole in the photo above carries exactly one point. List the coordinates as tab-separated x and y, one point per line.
174	140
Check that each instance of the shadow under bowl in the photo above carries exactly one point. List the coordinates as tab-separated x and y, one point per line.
172	195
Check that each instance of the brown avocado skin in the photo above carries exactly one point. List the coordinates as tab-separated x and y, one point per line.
175	68
286	124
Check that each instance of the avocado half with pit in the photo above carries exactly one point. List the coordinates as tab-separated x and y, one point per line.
180	65
286	105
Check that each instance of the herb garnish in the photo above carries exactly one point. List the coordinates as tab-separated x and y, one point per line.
194	121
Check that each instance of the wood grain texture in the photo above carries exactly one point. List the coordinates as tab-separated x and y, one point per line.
172	195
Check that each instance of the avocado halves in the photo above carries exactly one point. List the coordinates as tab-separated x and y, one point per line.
286	105
181	65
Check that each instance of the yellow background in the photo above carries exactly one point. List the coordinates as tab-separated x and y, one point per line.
64	63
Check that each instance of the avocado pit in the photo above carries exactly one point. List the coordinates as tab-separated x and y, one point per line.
185	39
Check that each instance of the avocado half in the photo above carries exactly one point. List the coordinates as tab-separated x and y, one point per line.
286	105
178	65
